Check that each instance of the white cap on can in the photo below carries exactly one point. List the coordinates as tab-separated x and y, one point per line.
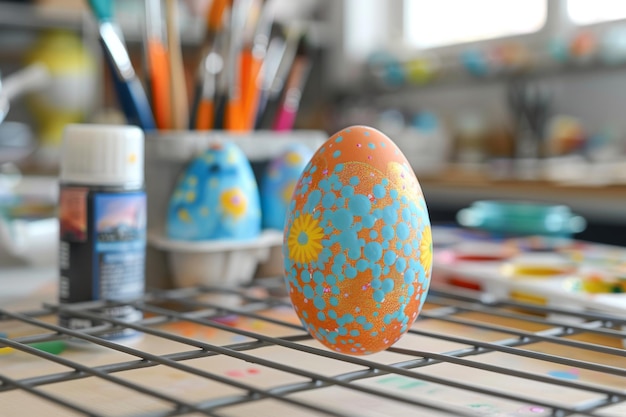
102	155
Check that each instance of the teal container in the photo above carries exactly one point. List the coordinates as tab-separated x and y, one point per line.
519	218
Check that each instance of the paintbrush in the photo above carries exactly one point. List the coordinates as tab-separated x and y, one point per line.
293	33
253	57
274	56
130	93
234	118
292	94
180	107
203	109
157	65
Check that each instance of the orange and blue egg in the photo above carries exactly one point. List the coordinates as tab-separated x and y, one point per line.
357	243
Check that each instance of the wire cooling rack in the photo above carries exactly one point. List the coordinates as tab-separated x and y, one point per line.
205	351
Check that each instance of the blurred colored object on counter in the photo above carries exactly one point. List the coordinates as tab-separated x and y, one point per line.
513	56
558	49
471	133
476	62
564	135
70	94
604	145
422	69
521	218
612	48
583	47
385	67
604	280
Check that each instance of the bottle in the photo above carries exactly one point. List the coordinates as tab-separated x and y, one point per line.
102	219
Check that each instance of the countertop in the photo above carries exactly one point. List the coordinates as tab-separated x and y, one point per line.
467	355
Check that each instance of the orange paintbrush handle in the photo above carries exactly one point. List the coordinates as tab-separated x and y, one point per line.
235	120
251	70
216	12
160	79
205	115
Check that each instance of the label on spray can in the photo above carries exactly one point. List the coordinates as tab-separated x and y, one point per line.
102	251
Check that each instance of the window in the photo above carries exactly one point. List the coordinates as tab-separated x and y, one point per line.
431	23
365	26
585	12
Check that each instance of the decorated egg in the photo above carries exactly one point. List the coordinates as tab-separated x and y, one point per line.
279	181
216	197
357	243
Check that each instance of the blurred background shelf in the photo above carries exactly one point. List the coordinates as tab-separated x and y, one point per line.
73	15
438	118
602	206
27	15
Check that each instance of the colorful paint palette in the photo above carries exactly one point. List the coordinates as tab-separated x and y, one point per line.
581	275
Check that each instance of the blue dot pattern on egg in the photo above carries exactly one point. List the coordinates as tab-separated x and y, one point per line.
279	181
216	197
357	246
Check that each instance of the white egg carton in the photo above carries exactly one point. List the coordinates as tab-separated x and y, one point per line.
182	146
220	263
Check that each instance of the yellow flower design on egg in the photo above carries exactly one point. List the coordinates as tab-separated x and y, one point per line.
304	241
426	249
184	215
234	202
293	158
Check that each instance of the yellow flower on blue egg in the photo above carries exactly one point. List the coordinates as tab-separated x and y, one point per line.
293	158
184	215
234	202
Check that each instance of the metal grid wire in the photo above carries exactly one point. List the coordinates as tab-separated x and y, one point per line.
465	356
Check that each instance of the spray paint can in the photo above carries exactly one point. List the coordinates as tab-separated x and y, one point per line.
102	216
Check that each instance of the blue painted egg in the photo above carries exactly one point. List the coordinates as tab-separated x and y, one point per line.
279	181
216	197
357	243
